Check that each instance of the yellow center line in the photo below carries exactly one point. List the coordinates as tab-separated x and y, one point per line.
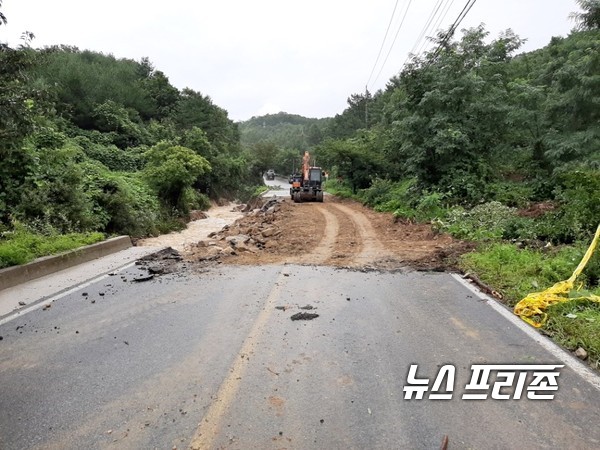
208	429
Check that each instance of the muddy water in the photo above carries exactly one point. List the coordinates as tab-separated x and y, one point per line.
218	217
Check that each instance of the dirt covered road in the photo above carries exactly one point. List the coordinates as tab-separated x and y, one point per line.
339	233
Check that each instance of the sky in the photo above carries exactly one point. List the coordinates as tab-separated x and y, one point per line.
254	57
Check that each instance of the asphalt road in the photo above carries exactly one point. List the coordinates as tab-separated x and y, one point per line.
206	359
279	187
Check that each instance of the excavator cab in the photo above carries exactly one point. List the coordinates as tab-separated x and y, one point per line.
314	177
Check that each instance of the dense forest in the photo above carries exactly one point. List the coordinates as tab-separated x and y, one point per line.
89	142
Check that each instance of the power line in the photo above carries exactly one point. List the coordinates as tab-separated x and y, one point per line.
393	42
427	23
420	42
456	23
437	24
383	42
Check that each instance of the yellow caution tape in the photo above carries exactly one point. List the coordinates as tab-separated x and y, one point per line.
533	306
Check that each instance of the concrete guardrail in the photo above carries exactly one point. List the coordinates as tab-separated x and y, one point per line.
11	276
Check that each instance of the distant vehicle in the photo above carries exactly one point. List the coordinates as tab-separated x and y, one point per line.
270	174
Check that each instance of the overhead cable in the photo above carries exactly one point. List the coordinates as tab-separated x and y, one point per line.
383	42
393	42
454	26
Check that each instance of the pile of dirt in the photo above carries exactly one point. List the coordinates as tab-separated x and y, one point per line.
163	262
339	233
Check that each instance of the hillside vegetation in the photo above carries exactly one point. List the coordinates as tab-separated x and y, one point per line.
92	143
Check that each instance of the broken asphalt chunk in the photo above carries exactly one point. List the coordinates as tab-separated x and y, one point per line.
304	316
146	278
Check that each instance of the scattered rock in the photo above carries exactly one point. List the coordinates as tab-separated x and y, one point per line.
155	270
308	307
581	353
227	251
304	316
48	306
238	239
198	215
146	278
268	232
244	248
271	244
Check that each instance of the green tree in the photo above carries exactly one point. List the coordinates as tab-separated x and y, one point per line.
2	16
589	18
352	161
450	118
20	104
172	171
263	156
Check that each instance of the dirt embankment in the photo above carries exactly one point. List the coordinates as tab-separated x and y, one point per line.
337	233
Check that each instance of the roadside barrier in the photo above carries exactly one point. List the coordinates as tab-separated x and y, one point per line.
531	308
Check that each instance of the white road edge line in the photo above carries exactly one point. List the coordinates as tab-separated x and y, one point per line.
577	366
45	301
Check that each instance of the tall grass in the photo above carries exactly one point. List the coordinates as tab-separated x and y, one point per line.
22	246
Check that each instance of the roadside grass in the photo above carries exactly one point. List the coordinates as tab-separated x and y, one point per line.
22	246
517	272
260	190
576	324
334	187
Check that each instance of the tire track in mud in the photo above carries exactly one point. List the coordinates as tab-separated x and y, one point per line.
348	242
349	239
371	248
325	248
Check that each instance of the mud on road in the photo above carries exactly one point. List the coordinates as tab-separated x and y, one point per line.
338	232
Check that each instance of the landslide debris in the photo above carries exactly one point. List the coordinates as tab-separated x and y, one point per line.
259	231
280	231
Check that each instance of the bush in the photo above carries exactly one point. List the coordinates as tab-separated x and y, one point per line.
579	195
123	202
429	207
488	221
339	188
510	193
192	199
463	188
114	158
389	196
171	171
54	192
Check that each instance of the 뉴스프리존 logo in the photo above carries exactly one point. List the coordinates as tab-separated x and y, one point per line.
496	381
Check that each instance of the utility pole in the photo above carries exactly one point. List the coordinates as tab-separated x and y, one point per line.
366	106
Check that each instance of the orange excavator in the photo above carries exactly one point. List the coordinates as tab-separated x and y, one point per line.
307	186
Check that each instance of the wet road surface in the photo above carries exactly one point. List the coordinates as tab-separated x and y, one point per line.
211	359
